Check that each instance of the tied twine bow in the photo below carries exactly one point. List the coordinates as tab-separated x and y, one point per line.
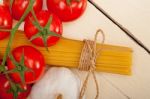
88	61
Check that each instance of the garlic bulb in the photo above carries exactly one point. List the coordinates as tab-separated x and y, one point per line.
57	83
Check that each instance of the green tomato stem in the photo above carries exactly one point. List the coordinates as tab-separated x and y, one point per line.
13	31
11	3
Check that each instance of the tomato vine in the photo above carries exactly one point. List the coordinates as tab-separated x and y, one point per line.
14	88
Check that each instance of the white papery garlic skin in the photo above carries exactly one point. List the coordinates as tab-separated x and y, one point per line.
56	81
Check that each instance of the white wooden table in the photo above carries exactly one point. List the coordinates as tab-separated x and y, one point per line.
133	14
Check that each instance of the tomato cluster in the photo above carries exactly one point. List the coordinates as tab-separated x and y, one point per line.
60	10
33	60
43	28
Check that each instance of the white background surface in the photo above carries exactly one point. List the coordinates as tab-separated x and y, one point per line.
133	14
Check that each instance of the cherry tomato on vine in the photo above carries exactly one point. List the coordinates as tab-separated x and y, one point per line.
67	10
50	28
19	7
5	22
29	61
5	86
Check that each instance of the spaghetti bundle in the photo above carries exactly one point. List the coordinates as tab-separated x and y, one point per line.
113	59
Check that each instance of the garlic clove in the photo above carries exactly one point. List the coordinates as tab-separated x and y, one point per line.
57	81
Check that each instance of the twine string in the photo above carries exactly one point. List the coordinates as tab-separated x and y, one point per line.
59	96
87	62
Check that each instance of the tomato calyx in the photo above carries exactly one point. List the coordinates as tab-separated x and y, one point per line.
15	89
44	32
2	68
20	67
69	2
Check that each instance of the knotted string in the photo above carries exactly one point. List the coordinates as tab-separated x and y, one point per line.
88	61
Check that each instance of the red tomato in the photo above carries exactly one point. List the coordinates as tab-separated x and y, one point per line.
4	87
5	21
65	11
33	60
19	7
43	17
4	3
